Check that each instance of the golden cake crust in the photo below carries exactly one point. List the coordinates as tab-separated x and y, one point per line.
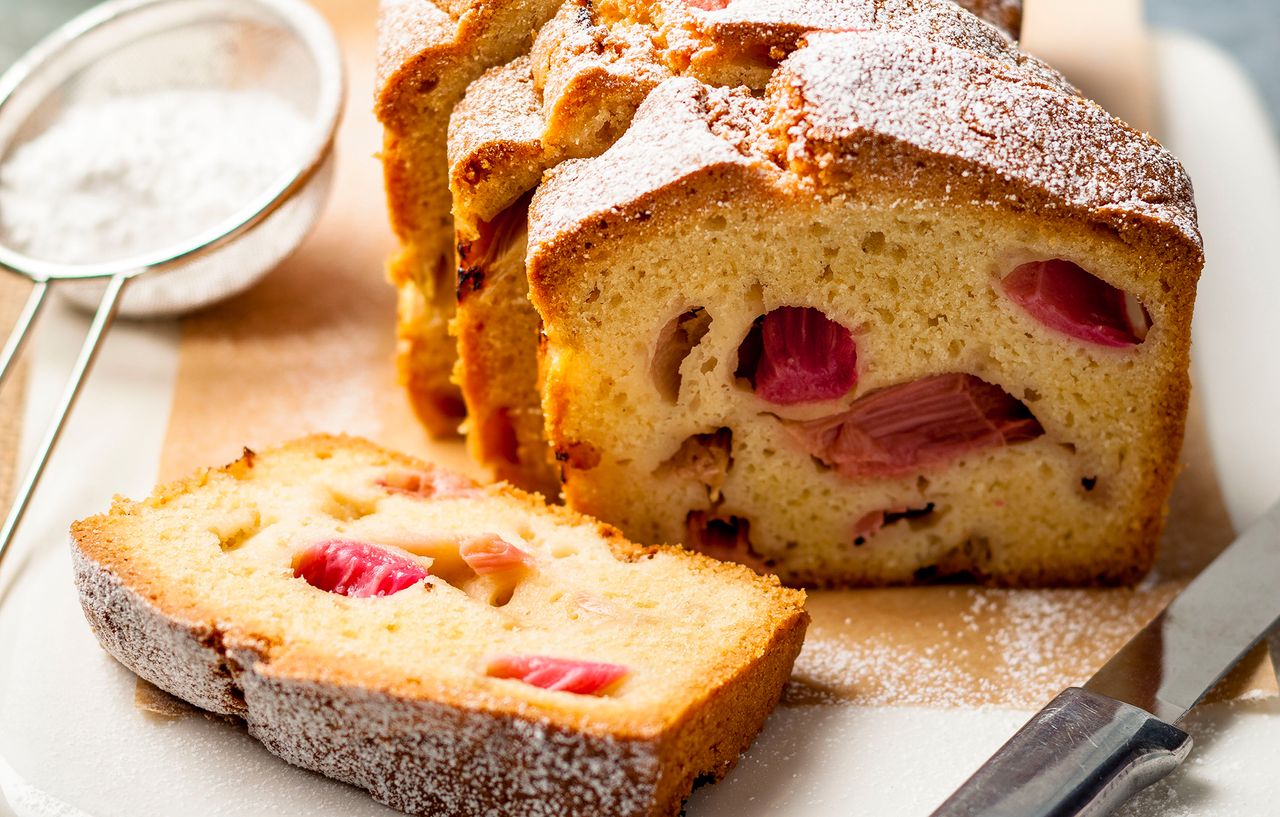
422	744
1023	144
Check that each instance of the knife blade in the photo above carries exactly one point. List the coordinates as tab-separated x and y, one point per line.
1092	748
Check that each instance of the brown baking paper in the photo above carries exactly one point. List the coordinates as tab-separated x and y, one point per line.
13	293
310	349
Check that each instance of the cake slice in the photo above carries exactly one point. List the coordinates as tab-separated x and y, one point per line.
915	313
590	67
454	649
428	52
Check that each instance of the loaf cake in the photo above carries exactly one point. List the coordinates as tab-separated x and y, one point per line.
454	649
918	311
589	69
428	53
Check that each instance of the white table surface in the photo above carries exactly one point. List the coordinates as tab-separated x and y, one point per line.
72	743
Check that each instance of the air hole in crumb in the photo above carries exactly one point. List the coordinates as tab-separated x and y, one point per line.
703	458
727	538
873	243
1089	483
502	595
676	341
1070	448
562	550
1031	395
246	524
918	519
346	508
324	455
717	223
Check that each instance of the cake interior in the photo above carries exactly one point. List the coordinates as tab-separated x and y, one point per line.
664	436
228	552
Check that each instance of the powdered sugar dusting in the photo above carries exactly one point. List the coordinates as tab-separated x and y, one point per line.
1020	131
406	28
963	647
925	119
684	126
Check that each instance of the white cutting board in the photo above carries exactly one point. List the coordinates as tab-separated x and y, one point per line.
72	743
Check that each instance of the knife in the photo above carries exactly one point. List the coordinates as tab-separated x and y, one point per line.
1093	748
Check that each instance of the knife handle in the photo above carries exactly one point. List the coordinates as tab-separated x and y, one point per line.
1081	756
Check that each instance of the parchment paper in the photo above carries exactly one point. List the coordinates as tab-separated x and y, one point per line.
310	349
13	292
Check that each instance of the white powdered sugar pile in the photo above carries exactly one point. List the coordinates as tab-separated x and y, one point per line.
119	176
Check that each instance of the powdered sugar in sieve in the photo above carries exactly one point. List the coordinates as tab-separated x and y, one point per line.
126	175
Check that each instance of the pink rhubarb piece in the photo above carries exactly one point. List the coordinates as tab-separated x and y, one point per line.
436	484
558	674
357	569
492	554
1065	297
708	5
900	429
803	357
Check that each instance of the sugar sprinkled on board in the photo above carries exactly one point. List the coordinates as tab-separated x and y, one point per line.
115	177
981	647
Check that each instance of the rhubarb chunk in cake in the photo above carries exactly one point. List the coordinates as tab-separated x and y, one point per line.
916	312
454	649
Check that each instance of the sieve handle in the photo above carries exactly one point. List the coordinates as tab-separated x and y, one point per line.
102	320
22	328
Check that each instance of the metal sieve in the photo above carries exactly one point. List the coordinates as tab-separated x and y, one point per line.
127	47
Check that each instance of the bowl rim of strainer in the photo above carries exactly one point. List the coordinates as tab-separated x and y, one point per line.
312	31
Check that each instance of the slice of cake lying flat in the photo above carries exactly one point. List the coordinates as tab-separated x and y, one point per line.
590	68
915	313
455	650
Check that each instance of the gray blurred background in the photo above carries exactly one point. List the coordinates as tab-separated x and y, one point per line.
1249	29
